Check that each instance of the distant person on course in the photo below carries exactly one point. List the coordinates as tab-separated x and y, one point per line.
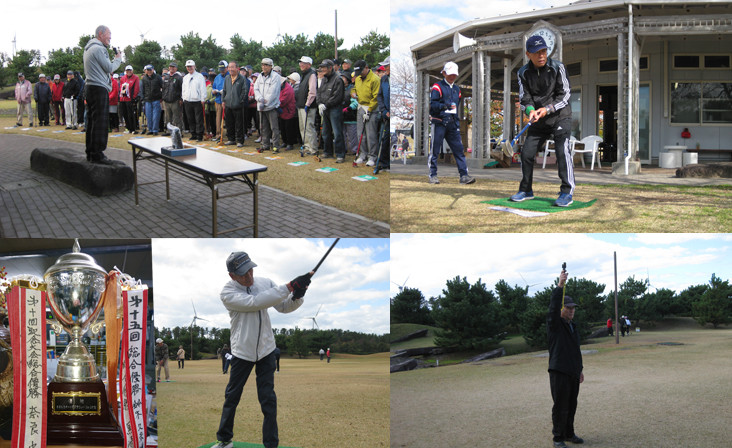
565	364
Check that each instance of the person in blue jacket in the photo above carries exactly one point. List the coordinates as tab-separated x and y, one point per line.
544	94
217	90
444	102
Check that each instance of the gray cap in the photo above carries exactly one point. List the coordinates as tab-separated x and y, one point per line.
326	63
267	61
239	263
158	341
173	64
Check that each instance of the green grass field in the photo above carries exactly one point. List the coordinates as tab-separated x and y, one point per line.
341	404
636	394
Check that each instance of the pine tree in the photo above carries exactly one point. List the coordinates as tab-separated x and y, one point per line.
715	306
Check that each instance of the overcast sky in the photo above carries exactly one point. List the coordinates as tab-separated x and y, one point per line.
674	261
352	284
413	21
44	25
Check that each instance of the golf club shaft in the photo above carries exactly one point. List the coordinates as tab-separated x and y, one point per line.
519	134
326	255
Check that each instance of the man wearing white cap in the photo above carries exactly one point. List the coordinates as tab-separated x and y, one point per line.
444	103
128	97
42	94
161	358
98	69
194	95
305	99
267	93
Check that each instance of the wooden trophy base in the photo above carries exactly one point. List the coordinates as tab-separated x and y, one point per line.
78	414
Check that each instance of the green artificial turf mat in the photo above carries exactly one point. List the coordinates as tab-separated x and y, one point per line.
538	204
241	445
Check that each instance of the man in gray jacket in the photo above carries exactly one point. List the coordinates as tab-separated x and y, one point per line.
234	97
267	93
252	341
98	71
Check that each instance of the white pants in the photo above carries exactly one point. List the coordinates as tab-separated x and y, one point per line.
70	108
370	143
307	129
25	108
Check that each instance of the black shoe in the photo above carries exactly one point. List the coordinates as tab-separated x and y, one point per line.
327	156
155	133
104	161
466	179
148	133
31	125
560	445
166	134
134	132
575	439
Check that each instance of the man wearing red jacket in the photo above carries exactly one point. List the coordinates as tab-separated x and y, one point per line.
289	123
129	95
57	98
113	104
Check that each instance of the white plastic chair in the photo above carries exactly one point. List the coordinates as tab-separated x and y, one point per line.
547	150
592	144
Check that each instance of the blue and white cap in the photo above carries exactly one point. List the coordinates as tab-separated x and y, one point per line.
535	43
239	263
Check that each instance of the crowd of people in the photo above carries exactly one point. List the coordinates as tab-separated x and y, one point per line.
338	107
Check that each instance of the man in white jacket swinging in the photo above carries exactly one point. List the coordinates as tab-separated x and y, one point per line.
252	340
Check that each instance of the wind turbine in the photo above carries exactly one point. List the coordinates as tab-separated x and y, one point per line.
315	323
527	283
279	36
648	280
401	288
193	323
142	35
14	34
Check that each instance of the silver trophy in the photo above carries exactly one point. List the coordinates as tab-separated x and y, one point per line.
74	286
175	136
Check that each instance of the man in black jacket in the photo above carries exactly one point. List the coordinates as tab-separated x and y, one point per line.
330	104
152	90
172	102
565	364
234	97
544	94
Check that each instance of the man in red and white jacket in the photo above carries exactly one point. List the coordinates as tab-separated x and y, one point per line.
24	95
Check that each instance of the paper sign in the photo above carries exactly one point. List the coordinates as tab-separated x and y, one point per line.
327	169
524	213
115	135
58	132
42	130
235	150
135	138
298	163
273	158
25	129
10	127
364	178
255	153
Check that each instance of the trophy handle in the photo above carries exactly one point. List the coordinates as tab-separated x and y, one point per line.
56	325
96	327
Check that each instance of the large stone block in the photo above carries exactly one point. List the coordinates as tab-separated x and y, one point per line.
707	171
488	355
416	334
408	364
72	168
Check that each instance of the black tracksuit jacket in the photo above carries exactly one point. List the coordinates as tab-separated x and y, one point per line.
564	340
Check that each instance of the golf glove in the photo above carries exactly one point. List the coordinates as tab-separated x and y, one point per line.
301	282
306	109
321	108
366	117
298	293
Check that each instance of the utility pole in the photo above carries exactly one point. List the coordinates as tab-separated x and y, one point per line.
617	339
336	34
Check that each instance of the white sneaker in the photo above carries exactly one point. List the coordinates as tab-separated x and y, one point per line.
360	161
258	140
370	163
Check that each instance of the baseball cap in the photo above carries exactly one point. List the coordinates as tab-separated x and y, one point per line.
41	76
211	70
71	72
381	68
326	63
173	64
385	62
249	67
223	64
57	76
158	341
336	61
148	67
277	68
113	76
20	74
295	77
535	43
347	61
306	59
569	302
358	67
267	61
190	63
239	263
450	68
129	67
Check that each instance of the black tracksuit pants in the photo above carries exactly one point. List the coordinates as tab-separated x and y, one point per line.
240	370
194	114
535	140
565	389
97	132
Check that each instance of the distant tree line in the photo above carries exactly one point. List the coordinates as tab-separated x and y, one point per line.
475	318
286	52
294	342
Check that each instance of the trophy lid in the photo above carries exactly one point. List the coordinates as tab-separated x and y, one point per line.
75	261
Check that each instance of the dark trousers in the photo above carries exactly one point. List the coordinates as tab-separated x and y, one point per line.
211	121
58	110
181	363
610	331
278	363
565	389
194	113
114	120
240	370
42	110
290	130
127	110
234	124
383	161
448	130
333	132
329	358
97	131
80	106
535	140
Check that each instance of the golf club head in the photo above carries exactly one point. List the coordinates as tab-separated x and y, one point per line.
317	159
507	149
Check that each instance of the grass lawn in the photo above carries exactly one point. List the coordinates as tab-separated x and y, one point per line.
636	394
336	189
452	208
341	404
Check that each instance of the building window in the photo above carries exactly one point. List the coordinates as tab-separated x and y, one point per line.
643	63
700	103
574	69
686	61
608	65
716	61
575	99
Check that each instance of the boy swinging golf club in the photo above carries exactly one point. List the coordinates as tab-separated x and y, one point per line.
544	92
